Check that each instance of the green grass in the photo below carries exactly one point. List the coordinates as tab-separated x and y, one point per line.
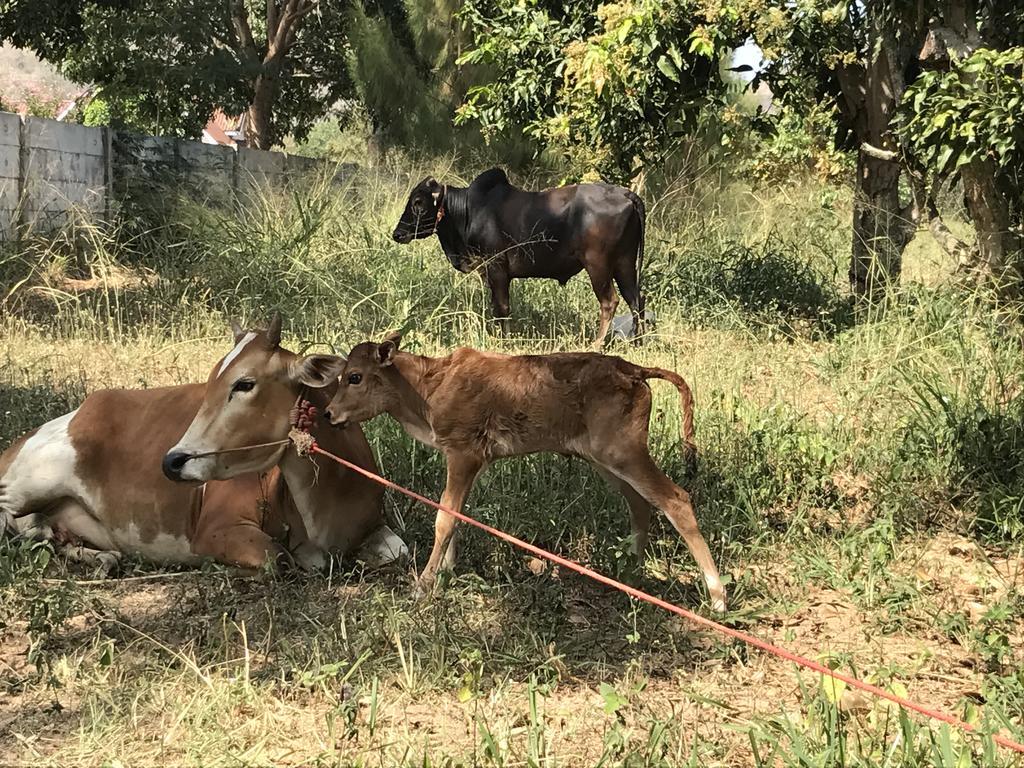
859	482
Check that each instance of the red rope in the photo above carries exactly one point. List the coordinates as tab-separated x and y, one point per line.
693	617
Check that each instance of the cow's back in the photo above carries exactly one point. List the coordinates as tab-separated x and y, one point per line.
568	219
525	403
121	437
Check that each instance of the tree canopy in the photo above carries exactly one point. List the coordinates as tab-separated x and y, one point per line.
918	94
612	87
165	66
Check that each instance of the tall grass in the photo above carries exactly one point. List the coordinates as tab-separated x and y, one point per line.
828	447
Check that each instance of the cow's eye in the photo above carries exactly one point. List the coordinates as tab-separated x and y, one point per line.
417	206
355	378
243	385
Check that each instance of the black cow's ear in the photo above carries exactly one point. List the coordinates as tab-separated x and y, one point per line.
435	188
386	352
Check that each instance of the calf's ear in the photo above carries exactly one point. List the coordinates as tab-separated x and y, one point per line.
386	351
236	330
317	371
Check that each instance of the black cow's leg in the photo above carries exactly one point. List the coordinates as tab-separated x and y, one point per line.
605	292
625	278
501	305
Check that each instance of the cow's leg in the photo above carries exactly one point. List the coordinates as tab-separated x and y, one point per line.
634	465
245	545
601	281
75	533
106	560
462	471
501	305
626	279
382	547
639	510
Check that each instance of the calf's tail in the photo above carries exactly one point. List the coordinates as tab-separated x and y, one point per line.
685	402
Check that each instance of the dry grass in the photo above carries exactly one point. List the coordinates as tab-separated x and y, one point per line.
847	535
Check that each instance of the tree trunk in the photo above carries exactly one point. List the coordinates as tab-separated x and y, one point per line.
872	91
282	24
998	250
881	230
261	112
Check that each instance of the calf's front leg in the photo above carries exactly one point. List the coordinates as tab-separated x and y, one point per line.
462	472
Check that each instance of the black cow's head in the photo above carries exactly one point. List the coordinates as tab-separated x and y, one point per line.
420	217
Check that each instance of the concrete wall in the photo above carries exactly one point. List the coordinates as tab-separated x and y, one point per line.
48	169
63	166
10	171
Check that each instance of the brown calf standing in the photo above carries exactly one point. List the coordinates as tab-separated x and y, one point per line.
476	407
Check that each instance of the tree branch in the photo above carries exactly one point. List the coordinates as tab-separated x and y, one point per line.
240	22
272	18
878	154
280	39
965	255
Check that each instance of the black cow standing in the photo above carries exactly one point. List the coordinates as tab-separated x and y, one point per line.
508	232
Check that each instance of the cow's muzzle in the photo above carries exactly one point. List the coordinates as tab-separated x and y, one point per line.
173	464
401	236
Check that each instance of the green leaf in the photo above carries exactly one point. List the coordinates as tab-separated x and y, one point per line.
613	701
668	69
833	689
677	57
944	157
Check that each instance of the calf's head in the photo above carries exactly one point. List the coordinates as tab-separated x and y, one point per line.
249	395
419	219
368	384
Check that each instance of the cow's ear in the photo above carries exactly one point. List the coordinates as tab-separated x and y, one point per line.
435	188
317	371
274	329
395	337
386	352
237	331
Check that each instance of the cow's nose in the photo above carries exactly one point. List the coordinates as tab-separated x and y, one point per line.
396	236
173	464
327	414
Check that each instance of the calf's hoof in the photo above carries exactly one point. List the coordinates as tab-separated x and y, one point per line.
718	602
423	587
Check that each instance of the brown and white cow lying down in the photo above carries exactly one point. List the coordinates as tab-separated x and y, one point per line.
93	477
476	407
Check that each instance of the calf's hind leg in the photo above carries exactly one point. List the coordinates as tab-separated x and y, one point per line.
639	510
639	471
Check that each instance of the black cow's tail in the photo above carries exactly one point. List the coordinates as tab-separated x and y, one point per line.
641	212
